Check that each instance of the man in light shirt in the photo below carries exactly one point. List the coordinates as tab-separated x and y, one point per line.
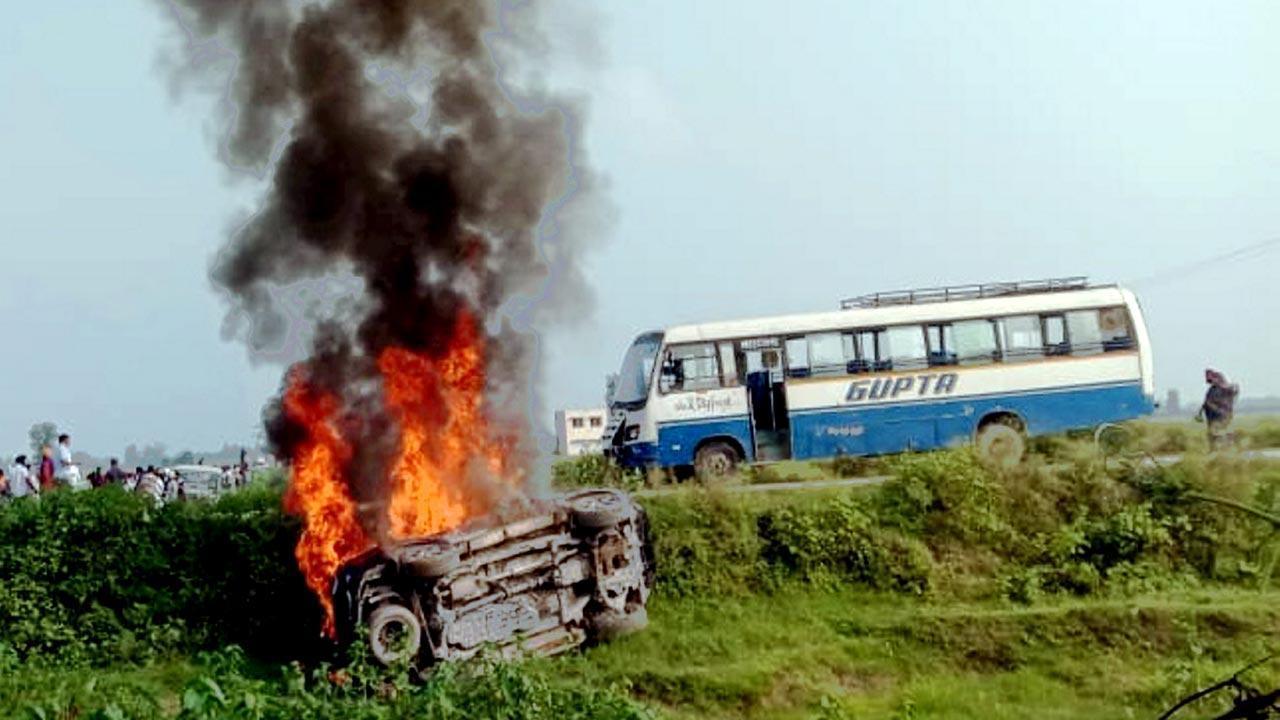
21	482
63	468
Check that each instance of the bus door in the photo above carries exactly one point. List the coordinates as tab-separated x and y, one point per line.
761	360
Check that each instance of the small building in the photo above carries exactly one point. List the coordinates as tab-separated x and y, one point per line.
1173	403
578	432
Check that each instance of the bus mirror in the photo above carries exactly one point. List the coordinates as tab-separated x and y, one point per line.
610	388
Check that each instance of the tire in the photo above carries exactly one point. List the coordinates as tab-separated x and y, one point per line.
610	624
1112	439
715	460
598	509
1000	444
431	560
394	634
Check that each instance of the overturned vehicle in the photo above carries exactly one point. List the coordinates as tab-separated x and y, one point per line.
578	570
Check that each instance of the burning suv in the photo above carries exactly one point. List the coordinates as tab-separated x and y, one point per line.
579	569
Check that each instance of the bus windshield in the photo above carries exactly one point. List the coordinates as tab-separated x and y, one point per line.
637	368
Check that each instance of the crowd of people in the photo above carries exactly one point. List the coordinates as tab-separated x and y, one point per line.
55	469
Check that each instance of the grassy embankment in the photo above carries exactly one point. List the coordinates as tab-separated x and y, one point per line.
1065	589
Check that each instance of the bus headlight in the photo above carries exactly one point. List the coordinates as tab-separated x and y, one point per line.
632	433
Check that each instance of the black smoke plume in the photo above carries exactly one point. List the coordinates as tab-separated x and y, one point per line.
432	210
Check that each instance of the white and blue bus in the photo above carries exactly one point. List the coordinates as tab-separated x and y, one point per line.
889	372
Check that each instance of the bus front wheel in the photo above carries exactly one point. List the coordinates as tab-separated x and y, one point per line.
1000	444
715	460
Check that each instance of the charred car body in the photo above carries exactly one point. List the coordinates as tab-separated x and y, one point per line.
579	569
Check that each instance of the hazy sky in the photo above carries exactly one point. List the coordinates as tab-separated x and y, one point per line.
762	158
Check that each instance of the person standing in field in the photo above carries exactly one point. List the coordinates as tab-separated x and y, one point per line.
64	469
47	482
115	475
1218	408
21	482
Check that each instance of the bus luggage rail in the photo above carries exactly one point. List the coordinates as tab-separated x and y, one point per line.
949	293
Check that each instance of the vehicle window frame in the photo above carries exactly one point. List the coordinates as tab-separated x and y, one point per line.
728	375
828	369
667	354
896	363
1129	341
1063	346
792	371
942	355
1091	347
994	355
1023	353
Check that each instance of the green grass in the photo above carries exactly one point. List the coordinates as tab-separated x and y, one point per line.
1063	588
1174	436
799	653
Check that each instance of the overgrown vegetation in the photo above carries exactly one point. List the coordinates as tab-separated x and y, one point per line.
101	582
945	524
226	685
1167	437
106	576
594	471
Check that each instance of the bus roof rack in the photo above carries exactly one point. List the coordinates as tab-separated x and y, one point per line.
964	292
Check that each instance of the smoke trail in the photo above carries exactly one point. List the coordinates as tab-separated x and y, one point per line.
436	216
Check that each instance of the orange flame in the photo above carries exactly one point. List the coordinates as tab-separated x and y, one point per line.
317	491
449	465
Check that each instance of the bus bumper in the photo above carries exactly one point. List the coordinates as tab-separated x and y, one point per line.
634	455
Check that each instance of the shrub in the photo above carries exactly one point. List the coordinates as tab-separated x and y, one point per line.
1263	434
94	576
705	542
594	470
943	495
840	541
103	576
228	686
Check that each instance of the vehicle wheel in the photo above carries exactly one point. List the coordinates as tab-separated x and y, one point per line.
432	560
1112	439
599	509
612	624
1000	444
394	634
715	460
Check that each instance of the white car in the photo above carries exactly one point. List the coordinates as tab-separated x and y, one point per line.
578	570
200	481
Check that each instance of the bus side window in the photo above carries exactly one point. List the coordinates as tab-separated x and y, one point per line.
906	347
941	344
848	342
797	353
1084	332
1054	330
1115	329
728	365
690	367
975	342
1022	339
870	352
827	353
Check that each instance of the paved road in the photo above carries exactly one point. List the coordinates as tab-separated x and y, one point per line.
1267	453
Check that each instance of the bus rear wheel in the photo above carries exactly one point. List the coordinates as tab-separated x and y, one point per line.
1000	444
715	460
